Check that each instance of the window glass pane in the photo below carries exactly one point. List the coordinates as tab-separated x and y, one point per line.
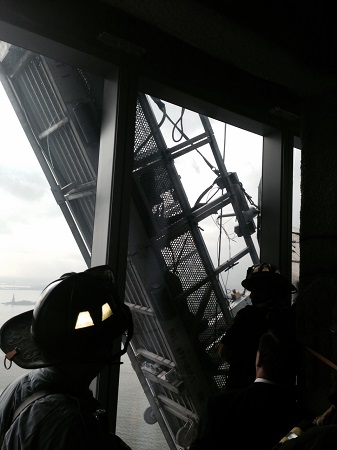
296	216
47	168
193	234
242	155
241	152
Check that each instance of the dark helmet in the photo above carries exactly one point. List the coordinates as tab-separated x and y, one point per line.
264	274
76	319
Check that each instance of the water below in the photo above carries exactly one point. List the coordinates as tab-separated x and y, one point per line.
131	426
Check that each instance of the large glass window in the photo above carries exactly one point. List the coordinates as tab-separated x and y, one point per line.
195	142
296	216
37	245
193	234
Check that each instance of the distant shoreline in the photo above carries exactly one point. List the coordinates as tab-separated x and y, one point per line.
19	302
11	287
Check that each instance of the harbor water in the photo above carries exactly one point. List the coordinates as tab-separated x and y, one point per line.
131	426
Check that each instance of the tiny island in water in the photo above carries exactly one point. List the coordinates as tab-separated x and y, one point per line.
18	302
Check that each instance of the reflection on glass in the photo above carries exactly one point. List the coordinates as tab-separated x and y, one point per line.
296	216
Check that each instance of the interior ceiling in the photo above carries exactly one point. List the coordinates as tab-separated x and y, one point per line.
281	42
277	42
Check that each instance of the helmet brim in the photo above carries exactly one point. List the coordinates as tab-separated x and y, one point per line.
261	279
15	334
17	342
53	334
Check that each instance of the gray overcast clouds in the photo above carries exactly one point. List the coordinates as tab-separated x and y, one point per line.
35	240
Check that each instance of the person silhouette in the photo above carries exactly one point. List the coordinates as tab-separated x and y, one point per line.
270	309
258	414
66	341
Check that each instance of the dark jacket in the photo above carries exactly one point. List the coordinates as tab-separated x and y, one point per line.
63	420
254	417
242	339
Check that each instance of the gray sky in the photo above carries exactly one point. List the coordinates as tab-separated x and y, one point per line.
35	241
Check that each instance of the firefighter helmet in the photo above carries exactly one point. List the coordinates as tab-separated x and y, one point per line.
76	319
264	274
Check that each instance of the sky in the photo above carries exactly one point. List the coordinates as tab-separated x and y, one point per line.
36	245
35	241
